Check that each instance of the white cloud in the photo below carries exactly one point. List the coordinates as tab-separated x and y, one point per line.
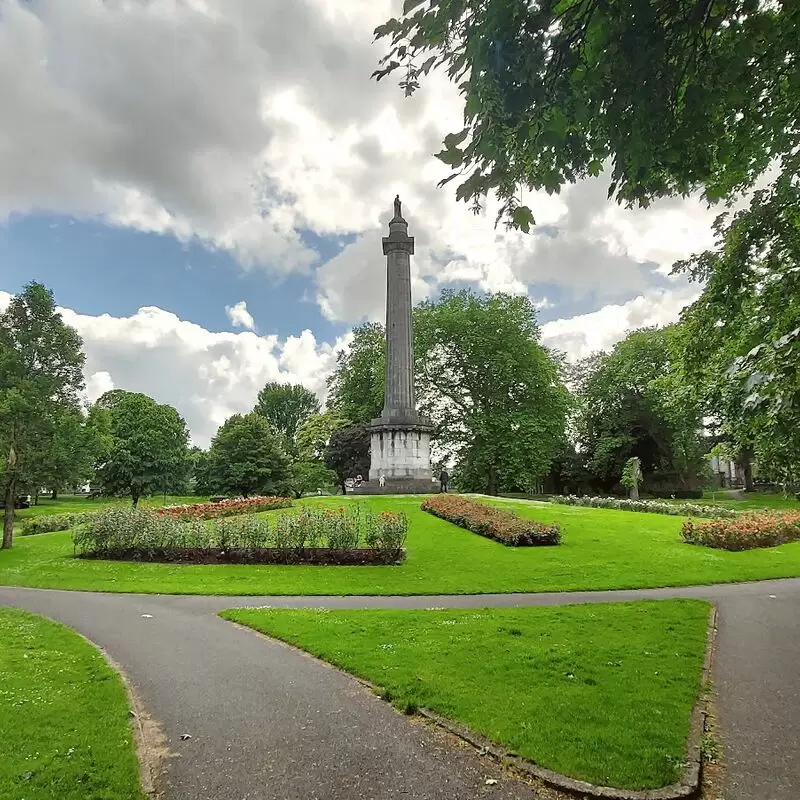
600	330
240	317
206	375
244	123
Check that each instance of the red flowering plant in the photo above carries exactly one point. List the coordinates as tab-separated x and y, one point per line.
745	532
225	508
494	523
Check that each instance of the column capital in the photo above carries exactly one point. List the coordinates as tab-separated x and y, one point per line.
398	243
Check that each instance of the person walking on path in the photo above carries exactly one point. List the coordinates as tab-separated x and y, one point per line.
443	480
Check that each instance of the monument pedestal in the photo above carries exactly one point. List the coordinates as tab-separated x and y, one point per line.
400	453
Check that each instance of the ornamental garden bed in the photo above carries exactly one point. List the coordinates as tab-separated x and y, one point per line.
224	508
351	535
746	532
493	523
647	506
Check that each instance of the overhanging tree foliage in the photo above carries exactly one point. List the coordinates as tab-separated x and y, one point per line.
742	343
674	96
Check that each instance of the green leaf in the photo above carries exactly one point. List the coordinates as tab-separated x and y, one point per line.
452	140
410	5
522	218
452	158
595	167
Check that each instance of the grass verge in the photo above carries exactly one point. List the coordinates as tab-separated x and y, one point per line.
64	724
602	693
600	549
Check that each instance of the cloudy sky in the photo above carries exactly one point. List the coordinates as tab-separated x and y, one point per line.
204	185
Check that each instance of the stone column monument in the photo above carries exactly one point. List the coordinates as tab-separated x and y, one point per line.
400	437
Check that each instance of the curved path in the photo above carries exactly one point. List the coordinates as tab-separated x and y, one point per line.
267	722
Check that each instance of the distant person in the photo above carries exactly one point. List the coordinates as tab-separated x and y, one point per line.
444	479
359	480
382	481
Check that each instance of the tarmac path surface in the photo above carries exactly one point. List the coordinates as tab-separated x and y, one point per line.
269	723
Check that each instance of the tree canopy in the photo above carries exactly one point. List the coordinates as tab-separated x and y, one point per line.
286	407
246	457
636	403
143	446
672	96
41	376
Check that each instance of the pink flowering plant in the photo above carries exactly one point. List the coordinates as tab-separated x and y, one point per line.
745	532
494	523
224	508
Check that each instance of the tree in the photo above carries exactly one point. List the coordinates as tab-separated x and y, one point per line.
492	391
246	458
673	96
143	445
308	476
41	376
348	453
315	433
286	406
636	402
65	457
357	384
742	342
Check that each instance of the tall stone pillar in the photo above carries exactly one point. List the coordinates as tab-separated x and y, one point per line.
400	437
398	247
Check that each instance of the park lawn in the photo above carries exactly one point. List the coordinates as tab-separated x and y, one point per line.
69	504
601	549
602	692
65	730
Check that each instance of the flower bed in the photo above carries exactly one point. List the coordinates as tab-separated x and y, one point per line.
648	506
47	523
747	532
494	523
313	536
224	508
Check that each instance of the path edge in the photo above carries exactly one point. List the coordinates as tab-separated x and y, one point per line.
688	785
146	752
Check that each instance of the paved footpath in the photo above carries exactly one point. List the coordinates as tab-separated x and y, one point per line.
268	723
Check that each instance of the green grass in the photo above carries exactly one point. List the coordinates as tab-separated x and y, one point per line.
64	723
77	503
599	692
601	549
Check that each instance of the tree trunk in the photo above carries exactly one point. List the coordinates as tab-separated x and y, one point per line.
747	468
492	482
36	497
54	495
8	516
135	498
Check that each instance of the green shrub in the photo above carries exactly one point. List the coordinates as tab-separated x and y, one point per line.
494	523
747	532
48	523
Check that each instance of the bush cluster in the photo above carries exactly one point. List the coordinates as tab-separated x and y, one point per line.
48	523
746	532
494	523
224	508
318	535
649	506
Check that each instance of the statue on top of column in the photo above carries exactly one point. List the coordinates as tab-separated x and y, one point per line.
397	209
